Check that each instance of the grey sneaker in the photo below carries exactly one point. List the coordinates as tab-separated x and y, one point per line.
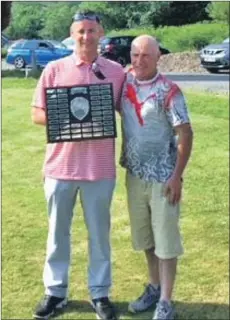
149	298
164	311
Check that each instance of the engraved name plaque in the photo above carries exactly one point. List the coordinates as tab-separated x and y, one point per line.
79	113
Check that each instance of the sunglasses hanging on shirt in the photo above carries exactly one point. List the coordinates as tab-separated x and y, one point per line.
97	72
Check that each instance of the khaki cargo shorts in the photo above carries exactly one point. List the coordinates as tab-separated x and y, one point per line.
154	222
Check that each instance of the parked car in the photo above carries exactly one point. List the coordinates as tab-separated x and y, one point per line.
69	43
117	48
20	52
216	57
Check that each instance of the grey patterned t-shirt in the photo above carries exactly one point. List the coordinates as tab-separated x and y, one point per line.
150	110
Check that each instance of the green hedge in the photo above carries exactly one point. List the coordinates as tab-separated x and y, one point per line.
184	38
3	52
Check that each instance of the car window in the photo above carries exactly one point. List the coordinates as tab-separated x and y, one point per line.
116	41
29	44
124	41
44	45
129	40
57	44
105	41
17	45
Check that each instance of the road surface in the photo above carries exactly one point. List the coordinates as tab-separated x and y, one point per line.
205	82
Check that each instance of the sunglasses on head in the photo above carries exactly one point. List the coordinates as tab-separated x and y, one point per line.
86	16
97	71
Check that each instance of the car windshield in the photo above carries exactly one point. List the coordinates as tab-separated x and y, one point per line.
226	40
17	44
57	44
105	40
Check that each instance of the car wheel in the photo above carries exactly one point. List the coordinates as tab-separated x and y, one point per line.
19	62
213	70
122	61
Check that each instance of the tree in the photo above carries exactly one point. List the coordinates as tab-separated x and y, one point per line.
132	12
103	9
174	13
187	12
58	18
6	14
219	11
52	20
157	14
115	14
26	20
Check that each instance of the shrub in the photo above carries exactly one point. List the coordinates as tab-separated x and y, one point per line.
12	74
193	37
219	11
20	74
3	52
184	38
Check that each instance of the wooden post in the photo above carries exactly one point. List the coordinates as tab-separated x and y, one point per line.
33	69
33	61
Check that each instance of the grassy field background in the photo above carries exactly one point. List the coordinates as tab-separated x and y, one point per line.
202	286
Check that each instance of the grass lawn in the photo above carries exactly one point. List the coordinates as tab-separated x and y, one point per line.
202	286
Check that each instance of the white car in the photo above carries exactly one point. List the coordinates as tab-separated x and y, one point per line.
69	43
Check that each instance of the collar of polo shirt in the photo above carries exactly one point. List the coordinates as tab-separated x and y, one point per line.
99	61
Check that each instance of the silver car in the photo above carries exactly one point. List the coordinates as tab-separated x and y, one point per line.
215	57
69	43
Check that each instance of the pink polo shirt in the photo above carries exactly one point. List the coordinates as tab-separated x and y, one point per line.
82	160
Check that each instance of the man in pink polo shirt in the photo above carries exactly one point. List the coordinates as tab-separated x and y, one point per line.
87	167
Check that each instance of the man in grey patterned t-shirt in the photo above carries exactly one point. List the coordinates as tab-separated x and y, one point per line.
157	142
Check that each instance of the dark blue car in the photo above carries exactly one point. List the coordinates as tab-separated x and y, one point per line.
20	52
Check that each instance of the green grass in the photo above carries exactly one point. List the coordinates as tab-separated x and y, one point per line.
20	74
202	286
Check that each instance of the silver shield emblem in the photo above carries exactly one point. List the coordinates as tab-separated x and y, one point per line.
79	107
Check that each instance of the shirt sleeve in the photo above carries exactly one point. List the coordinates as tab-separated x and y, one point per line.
176	108
46	81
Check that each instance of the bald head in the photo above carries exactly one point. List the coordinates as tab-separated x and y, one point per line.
145	54
146	42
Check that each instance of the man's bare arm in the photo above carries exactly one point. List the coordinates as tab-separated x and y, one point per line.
38	116
184	147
